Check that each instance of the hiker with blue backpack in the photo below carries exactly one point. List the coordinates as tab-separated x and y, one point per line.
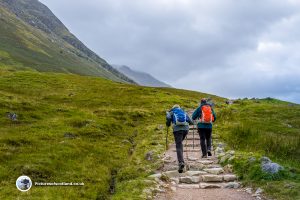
181	122
206	116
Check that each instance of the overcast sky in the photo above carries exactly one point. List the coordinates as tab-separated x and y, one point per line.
232	48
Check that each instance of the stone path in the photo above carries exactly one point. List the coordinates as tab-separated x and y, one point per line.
203	179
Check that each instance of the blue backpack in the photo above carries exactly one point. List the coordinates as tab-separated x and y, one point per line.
179	117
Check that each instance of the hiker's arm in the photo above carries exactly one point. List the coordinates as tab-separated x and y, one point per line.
189	120
214	114
196	114
168	119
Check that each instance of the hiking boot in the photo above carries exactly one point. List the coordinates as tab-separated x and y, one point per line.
209	153
181	167
204	156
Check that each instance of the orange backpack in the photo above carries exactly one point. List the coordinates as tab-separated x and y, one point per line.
207	116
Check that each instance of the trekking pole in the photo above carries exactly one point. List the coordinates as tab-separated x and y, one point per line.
167	138
193	135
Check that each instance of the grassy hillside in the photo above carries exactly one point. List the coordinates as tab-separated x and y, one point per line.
52	49
266	127
112	126
82	129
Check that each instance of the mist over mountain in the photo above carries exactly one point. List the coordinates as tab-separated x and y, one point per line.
141	78
32	36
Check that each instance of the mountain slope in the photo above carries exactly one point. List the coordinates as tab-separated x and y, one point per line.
32	36
140	77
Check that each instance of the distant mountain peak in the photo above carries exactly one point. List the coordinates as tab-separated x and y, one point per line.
141	78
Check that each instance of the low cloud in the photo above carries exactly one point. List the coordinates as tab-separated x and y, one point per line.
229	48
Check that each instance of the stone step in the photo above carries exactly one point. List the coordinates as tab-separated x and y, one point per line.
229	177
206	162
189	179
195	173
212	178
214	170
191	136
188	138
188	186
191	145
208	185
190	150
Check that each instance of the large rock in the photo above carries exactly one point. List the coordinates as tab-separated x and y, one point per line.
215	171
270	167
231	185
212	178
229	177
189	179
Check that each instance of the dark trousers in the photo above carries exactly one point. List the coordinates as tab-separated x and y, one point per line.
205	139
179	137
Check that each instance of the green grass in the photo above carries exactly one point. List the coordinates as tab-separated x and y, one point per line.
113	125
265	127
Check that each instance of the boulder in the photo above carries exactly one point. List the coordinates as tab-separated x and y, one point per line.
268	166
231	185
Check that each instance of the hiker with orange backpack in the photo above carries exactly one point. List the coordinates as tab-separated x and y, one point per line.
206	116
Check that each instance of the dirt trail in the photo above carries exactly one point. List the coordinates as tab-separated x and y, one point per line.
203	179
